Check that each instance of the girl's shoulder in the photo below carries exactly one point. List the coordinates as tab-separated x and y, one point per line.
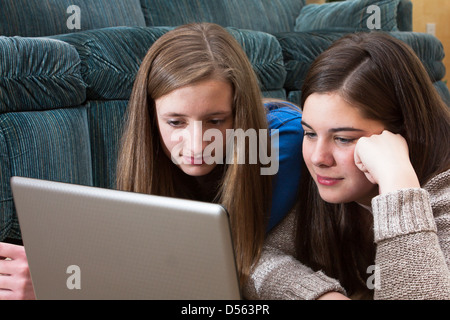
276	105
281	113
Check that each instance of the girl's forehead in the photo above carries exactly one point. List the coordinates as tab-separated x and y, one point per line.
330	111
329	107
204	98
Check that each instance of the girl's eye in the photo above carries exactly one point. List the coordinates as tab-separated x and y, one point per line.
309	135
344	140
216	121
175	123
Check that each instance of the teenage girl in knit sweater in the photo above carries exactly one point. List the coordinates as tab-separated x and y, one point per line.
373	215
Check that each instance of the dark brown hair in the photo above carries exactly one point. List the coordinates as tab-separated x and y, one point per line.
383	78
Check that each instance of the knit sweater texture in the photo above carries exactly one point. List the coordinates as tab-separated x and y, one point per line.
412	238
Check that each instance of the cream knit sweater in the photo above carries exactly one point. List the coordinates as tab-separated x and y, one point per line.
412	235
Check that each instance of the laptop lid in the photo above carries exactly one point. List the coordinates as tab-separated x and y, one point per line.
93	243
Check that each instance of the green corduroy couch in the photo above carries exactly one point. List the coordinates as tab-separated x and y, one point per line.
67	68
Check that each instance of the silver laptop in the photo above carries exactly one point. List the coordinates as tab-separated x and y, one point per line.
92	243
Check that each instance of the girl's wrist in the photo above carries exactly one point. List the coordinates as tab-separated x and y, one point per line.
404	178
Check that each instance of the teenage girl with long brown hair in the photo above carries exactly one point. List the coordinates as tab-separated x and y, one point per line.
195	78
373	214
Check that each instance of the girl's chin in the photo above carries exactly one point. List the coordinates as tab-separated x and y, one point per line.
196	170
364	197
332	200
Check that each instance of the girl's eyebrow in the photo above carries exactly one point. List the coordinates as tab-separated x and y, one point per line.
305	124
333	130
345	129
218	113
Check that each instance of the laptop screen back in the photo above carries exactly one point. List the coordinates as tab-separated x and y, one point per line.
92	243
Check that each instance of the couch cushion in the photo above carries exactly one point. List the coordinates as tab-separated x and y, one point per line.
404	15
52	145
39	73
263	15
265	55
105	119
442	88
300	49
346	15
49	17
110	58
429	49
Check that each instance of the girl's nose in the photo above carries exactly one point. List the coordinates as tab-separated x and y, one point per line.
322	155
196	142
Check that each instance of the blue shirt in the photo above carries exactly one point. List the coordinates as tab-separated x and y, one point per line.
287	119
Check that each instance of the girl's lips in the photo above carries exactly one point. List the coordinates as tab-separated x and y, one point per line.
327	181
193	161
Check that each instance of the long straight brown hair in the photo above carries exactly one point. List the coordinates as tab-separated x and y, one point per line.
181	57
384	79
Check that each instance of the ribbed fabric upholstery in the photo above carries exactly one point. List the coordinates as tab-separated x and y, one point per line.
404	15
265	55
38	73
441	87
429	49
110	58
346	15
275	94
49	17
52	145
43	129
263	15
105	120
301	48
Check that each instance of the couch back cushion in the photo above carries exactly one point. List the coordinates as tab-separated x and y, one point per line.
270	16
349	15
38	74
404	15
49	17
110	58
429	49
300	49
43	124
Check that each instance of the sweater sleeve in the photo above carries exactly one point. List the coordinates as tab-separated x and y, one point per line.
278	275
412	233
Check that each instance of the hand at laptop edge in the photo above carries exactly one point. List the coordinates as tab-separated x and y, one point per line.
15	279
